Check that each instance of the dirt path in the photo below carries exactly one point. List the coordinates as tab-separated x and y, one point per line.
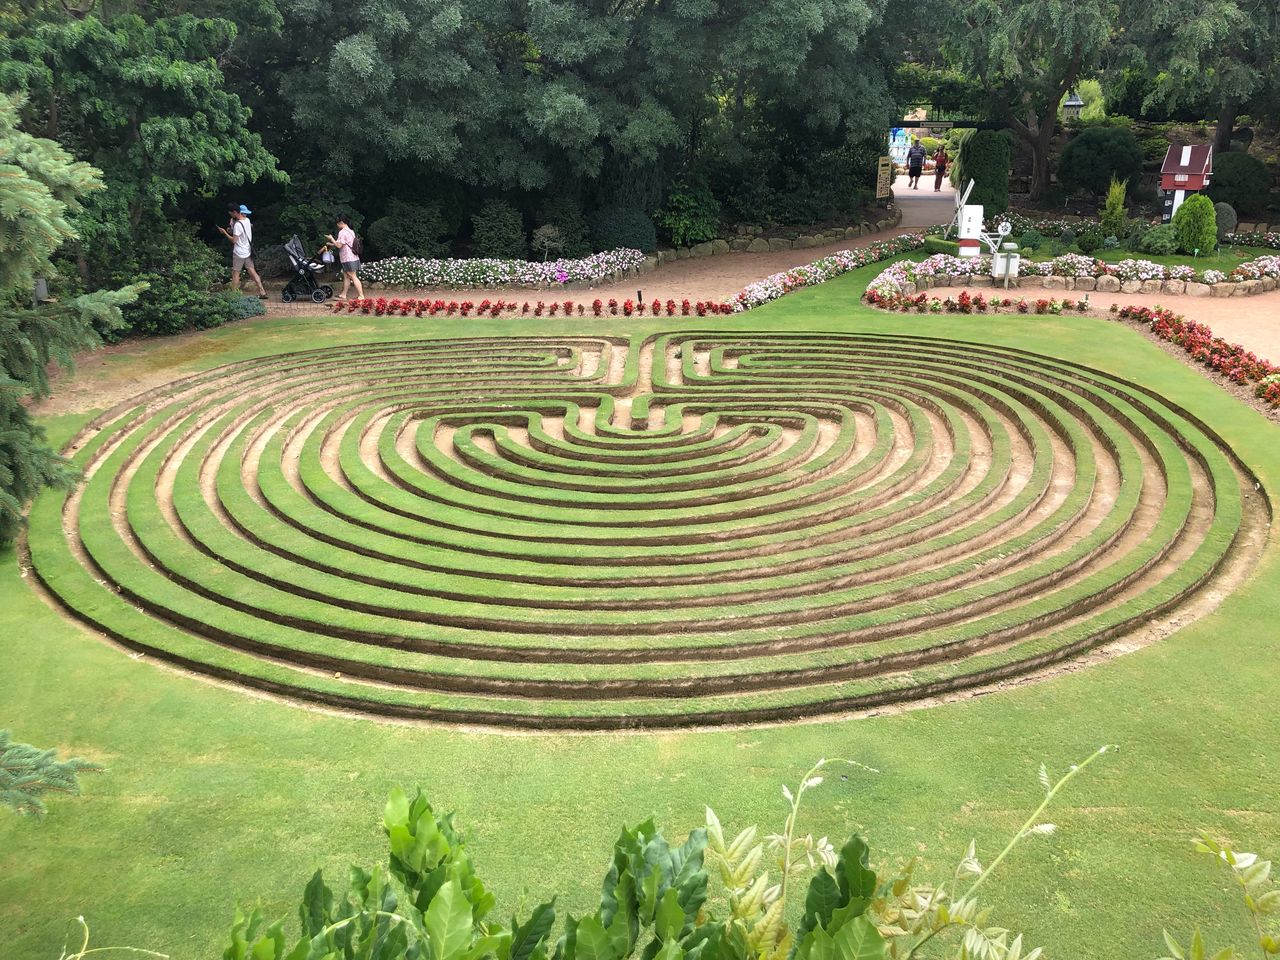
1251	321
703	278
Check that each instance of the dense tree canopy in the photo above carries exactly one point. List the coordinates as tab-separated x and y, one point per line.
518	94
1028	54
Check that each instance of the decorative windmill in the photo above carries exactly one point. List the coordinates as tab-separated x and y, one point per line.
967	223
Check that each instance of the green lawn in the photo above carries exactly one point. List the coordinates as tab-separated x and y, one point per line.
212	795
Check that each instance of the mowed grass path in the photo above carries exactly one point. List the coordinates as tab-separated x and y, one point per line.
213	795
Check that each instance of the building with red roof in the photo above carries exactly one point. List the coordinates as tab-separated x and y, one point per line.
1187	168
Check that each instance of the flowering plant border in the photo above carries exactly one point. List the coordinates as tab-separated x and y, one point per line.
420	272
899	274
969	303
1269	239
760	292
1231	360
397	306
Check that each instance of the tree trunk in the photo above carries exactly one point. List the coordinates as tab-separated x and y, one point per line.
1040	157
1226	125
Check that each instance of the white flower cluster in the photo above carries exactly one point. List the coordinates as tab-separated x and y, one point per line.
772	287
1257	269
418	272
893	278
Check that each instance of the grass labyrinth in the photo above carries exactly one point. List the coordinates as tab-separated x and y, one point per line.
685	529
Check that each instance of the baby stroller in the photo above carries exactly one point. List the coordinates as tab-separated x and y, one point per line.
306	274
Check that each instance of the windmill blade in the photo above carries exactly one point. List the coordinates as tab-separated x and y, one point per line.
963	199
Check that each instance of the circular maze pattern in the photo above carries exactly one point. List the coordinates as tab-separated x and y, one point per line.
595	533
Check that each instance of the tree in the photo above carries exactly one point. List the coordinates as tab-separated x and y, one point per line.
518	95
1220	52
41	187
144	101
1098	155
1027	54
28	773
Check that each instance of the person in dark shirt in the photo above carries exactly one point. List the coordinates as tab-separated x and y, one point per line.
939	169
915	163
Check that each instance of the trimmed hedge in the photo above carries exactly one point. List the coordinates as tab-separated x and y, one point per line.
986	159
1242	181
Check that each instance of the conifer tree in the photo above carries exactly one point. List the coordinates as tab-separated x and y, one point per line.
28	773
40	190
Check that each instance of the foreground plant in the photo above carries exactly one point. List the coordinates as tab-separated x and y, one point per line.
1261	901
28	774
885	914
84	950
428	903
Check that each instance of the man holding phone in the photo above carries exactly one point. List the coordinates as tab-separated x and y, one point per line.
241	237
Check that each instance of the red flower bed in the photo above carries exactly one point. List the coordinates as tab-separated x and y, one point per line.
494	308
1229	359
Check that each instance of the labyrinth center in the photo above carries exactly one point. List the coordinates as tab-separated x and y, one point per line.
597	532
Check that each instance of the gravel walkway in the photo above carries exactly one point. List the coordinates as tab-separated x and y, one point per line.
704	278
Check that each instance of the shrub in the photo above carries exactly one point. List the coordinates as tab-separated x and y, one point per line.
1154	149
1135	230
623	226
1031	240
1194	225
1090	239
242	307
566	216
691	215
498	231
1113	211
1227	219
1097	156
547	241
985	156
1242	181
409	230
1160	240
938	245
715	896
181	273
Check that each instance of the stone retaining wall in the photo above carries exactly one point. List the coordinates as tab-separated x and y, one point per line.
748	244
1188	288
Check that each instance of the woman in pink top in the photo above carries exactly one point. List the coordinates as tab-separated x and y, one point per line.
345	243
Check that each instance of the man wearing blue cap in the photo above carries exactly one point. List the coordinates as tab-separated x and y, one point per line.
241	237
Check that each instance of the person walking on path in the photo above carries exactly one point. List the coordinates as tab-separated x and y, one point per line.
915	163
348	258
241	237
939	169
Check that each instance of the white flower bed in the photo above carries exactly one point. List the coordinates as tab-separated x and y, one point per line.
1070	265
417	272
772	287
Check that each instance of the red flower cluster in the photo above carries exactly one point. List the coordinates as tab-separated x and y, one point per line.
1229	359
493	308
966	303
